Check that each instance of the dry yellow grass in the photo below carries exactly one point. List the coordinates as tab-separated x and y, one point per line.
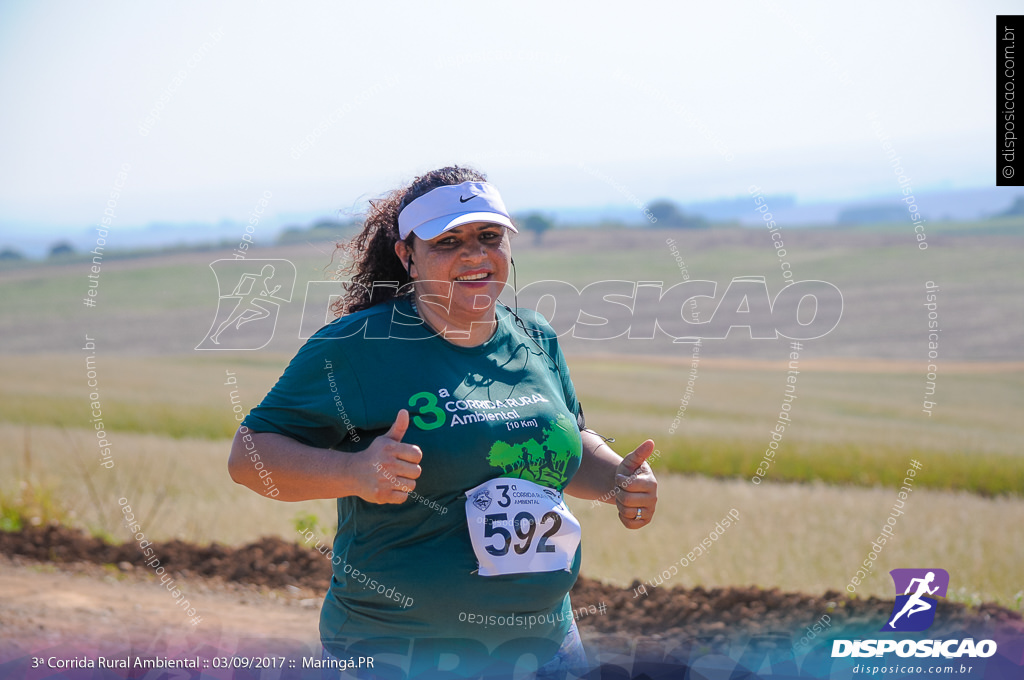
179	488
811	538
880	404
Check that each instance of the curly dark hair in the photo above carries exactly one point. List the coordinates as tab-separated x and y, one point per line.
373	249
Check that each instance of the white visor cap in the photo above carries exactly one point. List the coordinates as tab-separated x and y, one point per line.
447	207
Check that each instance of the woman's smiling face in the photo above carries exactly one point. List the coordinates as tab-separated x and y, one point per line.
461	272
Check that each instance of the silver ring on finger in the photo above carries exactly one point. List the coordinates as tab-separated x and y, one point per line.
639	513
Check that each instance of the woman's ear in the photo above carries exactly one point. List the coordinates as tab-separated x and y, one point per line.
404	254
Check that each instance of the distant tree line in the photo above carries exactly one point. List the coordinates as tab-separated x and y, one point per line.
321	230
871	214
671	216
668	215
1015	210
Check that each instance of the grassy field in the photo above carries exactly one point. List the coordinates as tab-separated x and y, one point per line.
165	305
172	418
850	426
808	537
856	424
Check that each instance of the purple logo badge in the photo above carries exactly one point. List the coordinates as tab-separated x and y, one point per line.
914	610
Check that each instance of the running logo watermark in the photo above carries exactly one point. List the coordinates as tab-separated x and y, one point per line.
923	582
914	612
251	292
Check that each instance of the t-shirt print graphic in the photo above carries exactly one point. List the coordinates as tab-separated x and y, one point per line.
542	459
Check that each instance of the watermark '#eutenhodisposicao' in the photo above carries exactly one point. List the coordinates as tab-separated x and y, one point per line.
931	291
688	392
887	529
904	182
101	236
783	420
528	621
153	562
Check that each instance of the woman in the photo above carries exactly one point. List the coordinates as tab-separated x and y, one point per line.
452	532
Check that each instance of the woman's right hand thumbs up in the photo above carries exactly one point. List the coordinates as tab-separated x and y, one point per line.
389	468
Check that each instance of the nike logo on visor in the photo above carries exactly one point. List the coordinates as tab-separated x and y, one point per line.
463	200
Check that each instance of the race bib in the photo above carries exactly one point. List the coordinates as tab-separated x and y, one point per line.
519	527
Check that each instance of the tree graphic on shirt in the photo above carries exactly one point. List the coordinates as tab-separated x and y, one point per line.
543	461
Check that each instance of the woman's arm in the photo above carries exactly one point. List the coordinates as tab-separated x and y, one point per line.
628	482
596	476
384	473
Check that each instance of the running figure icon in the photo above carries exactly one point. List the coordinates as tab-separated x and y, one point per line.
250	297
915	604
253	310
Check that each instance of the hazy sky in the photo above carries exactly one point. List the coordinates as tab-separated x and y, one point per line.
562	104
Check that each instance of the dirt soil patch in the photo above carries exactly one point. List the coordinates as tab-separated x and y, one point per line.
293	576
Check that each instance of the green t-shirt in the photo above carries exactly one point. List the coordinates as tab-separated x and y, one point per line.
501	409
